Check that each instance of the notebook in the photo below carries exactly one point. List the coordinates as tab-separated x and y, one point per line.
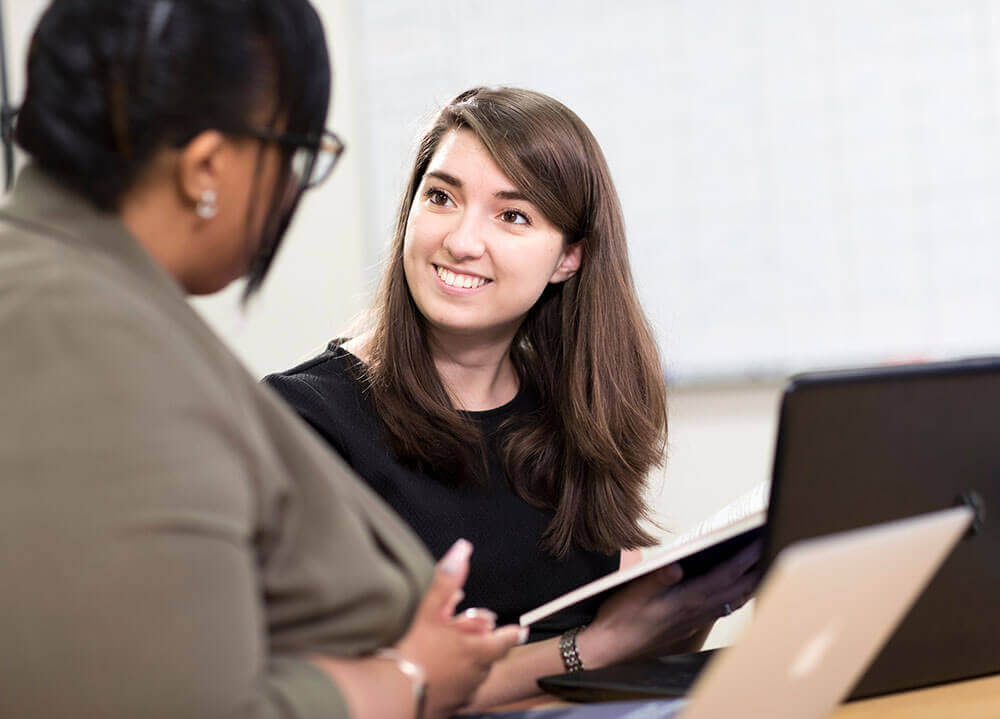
696	555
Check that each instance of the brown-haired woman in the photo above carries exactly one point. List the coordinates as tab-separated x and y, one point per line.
509	388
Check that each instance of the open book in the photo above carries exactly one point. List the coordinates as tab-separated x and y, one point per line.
697	553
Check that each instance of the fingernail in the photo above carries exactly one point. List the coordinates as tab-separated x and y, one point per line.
479	612
522	635
454	561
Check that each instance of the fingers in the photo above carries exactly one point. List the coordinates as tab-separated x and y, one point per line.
653	585
444	594
747	557
496	645
744	589
670	574
475	621
454	600
737	595
455	562
720	578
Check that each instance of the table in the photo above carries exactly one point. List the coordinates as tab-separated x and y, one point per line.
971	699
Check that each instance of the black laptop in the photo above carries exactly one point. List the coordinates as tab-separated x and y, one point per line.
860	447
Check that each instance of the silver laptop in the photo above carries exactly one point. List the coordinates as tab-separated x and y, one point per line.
825	608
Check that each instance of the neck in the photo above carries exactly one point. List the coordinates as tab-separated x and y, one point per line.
151	213
477	372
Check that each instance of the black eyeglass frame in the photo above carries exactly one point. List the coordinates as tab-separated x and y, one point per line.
310	141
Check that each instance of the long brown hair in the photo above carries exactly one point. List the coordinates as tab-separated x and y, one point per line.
585	348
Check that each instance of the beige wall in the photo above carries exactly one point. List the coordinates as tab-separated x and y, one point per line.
721	444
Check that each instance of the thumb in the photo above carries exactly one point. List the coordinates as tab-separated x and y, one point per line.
449	576
503	640
670	574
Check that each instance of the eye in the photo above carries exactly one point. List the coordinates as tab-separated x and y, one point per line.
515	217
437	197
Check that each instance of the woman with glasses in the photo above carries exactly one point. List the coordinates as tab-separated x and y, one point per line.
509	389
175	541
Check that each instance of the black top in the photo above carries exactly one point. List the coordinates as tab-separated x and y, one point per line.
510	573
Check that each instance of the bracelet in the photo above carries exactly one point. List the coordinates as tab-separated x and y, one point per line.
567	648
412	671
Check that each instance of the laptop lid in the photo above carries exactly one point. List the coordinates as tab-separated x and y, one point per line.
823	611
860	447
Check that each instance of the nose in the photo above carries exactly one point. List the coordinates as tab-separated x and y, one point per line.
465	240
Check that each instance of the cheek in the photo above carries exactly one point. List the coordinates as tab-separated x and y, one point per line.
422	235
534	265
409	249
420	241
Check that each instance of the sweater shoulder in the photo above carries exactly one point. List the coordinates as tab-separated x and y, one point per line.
328	393
332	374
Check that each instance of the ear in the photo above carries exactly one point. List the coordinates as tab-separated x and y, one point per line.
569	262
201	165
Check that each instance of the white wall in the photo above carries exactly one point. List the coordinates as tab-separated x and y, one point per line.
20	18
806	183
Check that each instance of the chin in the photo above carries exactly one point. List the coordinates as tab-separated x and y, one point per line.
208	285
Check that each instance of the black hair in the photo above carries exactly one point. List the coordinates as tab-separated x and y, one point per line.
111	82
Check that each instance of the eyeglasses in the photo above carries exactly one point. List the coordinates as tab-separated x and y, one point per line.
314	155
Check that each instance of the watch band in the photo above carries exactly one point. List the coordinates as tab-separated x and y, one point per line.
567	648
412	671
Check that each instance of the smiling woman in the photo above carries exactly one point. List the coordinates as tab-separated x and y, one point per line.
509	390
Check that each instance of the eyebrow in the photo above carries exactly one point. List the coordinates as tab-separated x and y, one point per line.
455	182
511	195
445	177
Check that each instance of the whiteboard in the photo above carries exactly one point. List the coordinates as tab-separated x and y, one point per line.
805	184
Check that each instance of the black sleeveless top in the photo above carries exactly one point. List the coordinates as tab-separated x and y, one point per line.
510	573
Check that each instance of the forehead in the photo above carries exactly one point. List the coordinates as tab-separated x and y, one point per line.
463	156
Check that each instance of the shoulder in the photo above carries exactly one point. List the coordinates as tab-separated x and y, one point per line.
58	303
85	333
102	369
329	392
332	374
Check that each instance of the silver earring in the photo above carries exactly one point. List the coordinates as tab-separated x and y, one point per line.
206	208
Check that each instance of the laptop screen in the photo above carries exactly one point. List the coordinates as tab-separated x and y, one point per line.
861	447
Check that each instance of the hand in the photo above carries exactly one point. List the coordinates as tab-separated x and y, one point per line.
658	611
456	653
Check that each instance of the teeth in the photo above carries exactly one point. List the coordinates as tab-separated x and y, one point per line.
464	281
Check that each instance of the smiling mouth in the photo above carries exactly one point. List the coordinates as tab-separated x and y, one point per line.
452	279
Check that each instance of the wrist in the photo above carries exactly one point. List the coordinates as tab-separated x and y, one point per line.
412	671
595	647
